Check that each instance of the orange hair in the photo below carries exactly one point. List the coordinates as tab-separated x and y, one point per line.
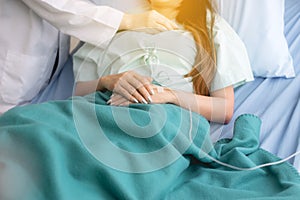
193	16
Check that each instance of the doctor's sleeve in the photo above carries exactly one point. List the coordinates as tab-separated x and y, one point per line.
81	19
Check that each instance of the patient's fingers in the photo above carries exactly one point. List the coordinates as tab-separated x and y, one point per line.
121	101
144	87
134	87
126	94
118	100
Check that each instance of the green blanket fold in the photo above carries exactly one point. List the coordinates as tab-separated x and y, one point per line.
83	148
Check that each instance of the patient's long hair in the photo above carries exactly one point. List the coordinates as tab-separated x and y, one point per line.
193	16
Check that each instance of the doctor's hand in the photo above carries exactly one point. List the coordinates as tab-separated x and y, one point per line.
130	85
149	19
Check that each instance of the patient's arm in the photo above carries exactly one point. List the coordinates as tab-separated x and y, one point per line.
130	87
217	108
85	87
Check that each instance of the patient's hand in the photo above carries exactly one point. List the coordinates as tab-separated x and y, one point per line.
131	86
160	95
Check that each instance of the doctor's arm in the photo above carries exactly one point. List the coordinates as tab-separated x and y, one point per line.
91	23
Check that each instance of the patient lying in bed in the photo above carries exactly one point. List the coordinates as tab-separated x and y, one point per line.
187	67
84	148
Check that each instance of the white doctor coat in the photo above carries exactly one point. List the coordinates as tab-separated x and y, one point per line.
31	37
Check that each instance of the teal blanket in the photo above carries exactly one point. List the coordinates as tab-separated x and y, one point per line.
82	148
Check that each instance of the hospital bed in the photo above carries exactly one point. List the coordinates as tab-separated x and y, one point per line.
276	101
51	162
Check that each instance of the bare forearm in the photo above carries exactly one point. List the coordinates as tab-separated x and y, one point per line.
87	87
216	109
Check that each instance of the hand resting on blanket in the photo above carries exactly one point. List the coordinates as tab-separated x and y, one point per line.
130	87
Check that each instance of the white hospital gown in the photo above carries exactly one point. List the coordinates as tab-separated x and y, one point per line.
172	55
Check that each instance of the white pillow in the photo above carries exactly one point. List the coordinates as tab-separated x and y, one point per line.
260	24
